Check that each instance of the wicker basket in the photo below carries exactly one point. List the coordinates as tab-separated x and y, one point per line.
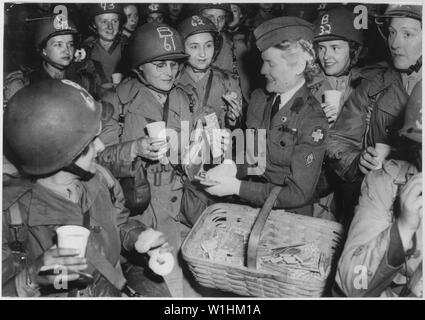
248	235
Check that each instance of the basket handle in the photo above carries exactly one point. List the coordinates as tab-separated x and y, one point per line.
259	223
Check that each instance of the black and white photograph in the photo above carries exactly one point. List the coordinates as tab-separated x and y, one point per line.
212	151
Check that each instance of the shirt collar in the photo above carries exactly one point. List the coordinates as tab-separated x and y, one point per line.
285	97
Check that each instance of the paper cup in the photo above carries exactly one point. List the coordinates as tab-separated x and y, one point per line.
333	98
116	78
73	237
158	130
383	151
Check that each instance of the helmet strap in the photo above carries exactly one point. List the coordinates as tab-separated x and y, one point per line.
196	70
413	68
148	85
53	64
78	171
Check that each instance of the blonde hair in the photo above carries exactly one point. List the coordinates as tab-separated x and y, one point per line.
301	49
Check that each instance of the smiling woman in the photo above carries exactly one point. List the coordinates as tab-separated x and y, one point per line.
150	95
160	74
107	26
212	85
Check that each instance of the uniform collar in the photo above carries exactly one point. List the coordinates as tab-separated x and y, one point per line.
287	96
383	80
113	46
49	208
410	80
294	105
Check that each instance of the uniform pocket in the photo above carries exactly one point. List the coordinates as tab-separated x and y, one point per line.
280	148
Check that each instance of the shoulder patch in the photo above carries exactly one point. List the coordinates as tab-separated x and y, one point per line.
309	159
318	135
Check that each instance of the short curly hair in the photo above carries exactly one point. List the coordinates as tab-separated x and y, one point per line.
302	49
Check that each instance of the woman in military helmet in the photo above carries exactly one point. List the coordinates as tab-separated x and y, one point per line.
150	94
107	47
381	97
51	128
154	12
220	14
132	12
55	40
217	90
338	46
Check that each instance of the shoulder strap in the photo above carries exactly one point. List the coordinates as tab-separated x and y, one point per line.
370	107
15	215
166	110
99	70
16	225
123	113
208	88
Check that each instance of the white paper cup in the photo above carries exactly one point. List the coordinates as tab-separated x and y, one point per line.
333	98
73	237
158	130
383	151
116	78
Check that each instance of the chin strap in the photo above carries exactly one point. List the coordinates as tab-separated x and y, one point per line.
413	68
196	70
78	171
54	64
142	80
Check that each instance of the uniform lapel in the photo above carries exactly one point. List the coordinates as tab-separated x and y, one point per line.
294	104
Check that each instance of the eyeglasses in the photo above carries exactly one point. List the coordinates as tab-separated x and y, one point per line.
163	66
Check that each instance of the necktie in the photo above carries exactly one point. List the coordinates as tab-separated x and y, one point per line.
275	107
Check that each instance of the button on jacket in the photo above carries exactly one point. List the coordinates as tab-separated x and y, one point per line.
42	211
296	142
373	113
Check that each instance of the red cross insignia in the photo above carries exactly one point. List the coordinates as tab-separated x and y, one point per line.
318	135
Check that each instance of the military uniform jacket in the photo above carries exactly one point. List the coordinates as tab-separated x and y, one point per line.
139	107
225	59
372	263
78	72
373	113
222	82
104	63
42	211
319	84
296	142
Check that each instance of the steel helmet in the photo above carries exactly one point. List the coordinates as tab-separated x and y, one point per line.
223	6
48	124
154	8
412	127
401	11
154	42
196	24
106	7
337	24
52	26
